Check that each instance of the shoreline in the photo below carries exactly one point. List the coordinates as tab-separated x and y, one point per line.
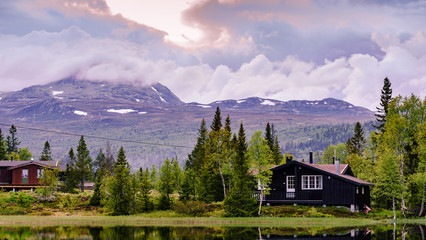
302	222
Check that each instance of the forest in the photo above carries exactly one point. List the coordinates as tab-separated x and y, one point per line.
224	168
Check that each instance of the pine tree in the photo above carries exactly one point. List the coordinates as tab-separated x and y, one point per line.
241	201
187	189
83	163
46	154
12	141
277	155
217	121
269	136
356	144
3	148
385	98
120	188
101	160
96	198
70	181
165	185
197	157
144	200
177	174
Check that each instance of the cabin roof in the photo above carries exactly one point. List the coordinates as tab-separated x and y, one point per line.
18	164
329	169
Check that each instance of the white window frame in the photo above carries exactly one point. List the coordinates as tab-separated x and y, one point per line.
288	183
312	182
27	173
39	172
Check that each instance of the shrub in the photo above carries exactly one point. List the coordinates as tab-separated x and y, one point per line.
193	208
312	212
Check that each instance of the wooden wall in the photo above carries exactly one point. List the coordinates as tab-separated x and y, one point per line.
32	175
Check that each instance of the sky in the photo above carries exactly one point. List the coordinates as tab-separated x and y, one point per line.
208	50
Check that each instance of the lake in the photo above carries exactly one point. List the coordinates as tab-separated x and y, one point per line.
193	233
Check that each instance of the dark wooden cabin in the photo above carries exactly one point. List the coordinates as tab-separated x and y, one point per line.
318	184
16	175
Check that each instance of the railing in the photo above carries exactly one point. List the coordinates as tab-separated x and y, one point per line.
298	195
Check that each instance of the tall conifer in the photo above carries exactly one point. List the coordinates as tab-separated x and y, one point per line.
3	148
241	201
217	121
12	141
46	154
382	111
120	187
83	163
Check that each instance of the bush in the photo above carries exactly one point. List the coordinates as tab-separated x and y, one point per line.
312	212
193	208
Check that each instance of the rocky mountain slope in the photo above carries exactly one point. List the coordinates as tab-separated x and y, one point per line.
146	116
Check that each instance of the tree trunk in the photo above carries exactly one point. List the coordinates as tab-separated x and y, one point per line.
423	201
223	181
82	186
261	200
422	232
260	233
401	172
393	207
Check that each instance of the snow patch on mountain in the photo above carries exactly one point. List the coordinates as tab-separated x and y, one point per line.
54	93
81	113
121	111
204	106
240	101
267	102
142	112
162	99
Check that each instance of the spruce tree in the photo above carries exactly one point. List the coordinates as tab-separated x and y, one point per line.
165	185
187	189
217	121
46	154
269	136
382	111
356	143
70	181
241	201
96	198
277	155
3	148
144	201
120	188
12	141
83	163
197	156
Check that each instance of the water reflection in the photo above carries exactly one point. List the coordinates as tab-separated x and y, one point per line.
222	233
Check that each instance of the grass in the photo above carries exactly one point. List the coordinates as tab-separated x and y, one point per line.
176	221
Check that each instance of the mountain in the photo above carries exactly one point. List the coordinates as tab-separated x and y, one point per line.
146	117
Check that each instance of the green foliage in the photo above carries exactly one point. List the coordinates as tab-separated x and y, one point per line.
260	158
3	147
24	154
356	144
120	193
97	196
12	141
273	144
193	208
187	189
46	154
241	201
217	121
166	186
341	153
382	111
143	198
82	164
49	181
22	199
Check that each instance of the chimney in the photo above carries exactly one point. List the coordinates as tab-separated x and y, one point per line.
337	167
288	159
311	157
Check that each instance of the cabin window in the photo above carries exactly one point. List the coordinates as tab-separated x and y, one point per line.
312	182
39	173
24	176
291	184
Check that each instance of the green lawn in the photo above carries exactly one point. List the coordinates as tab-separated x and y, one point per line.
185	221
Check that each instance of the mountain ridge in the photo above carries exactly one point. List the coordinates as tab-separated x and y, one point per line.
153	114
